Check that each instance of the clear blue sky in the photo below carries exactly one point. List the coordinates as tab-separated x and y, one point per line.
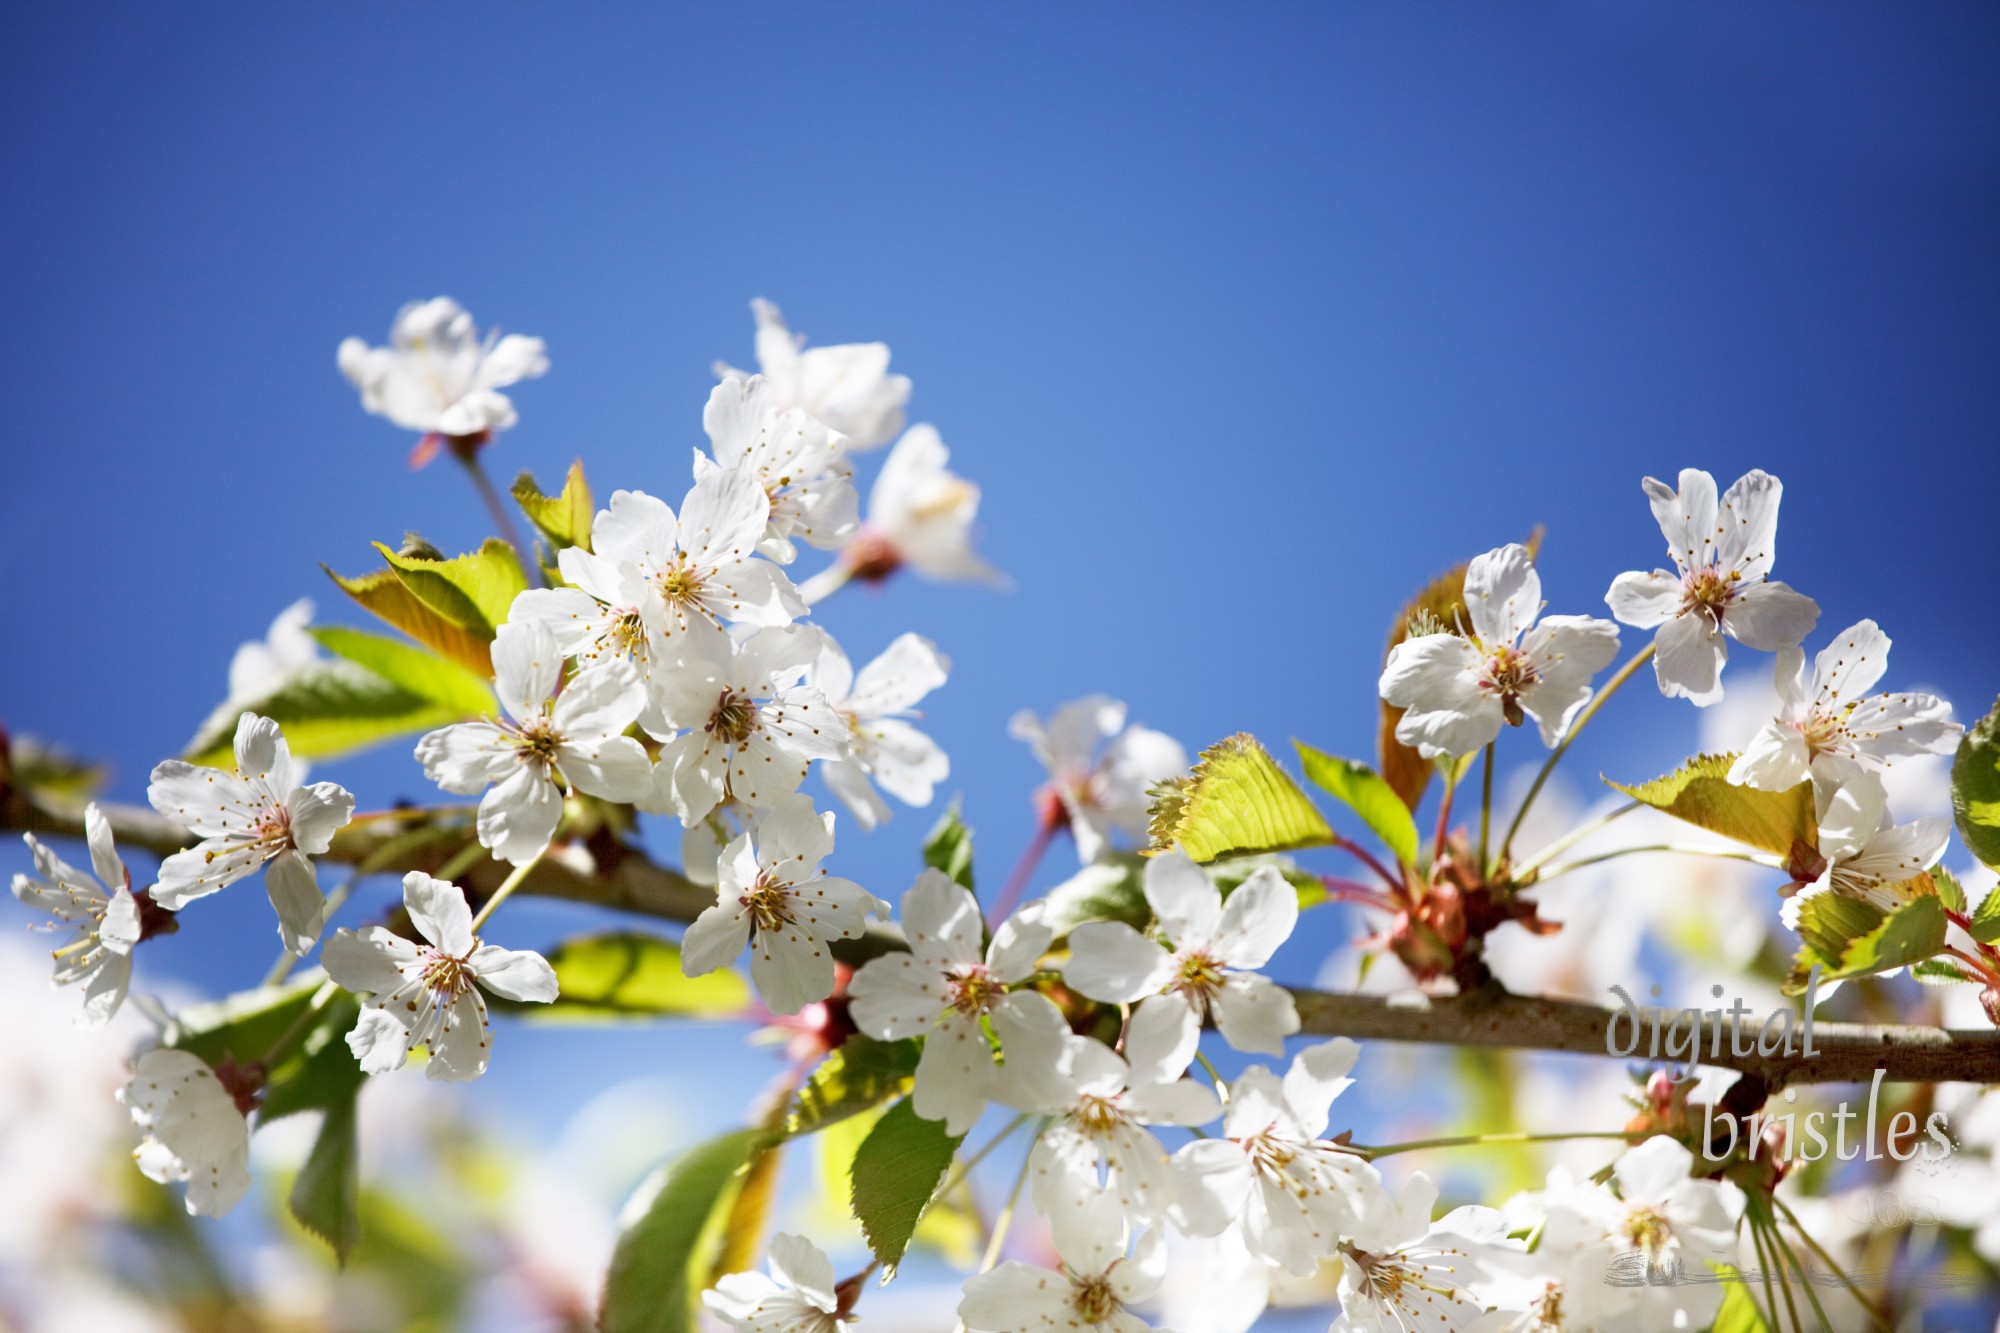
1248	319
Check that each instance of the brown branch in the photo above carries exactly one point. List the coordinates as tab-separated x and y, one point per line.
608	873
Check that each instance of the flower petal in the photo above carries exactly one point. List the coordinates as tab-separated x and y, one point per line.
438	910
1111	962
514	974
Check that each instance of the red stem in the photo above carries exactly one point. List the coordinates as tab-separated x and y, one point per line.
1024	870
1357	850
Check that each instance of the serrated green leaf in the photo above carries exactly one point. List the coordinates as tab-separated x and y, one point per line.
748	1215
1828	924
328	709
324	1196
385	595
1368	794
1975	787
1700	793
948	847
563	519
1949	891
1939	972
1986	920
1909	934
1856	939
1239	800
653	1282
628	974
423	673
897	1169
474	590
856	1076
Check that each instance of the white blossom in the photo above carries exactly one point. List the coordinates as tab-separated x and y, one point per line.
1097	1279
429	994
800	1295
576	736
848	386
255	816
1410	1273
1874	872
194	1130
1722	553
753	726
1100	770
261	666
1295	1195
772	896
946	988
1099	1143
920	515
801	465
1210	967
437	375
882	745
1456	691
101	912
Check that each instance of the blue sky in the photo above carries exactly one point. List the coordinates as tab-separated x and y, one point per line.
1246	319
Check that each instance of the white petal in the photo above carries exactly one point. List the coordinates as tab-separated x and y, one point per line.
518	817
461	1053
294	892
1214	1178
438	910
615	768
515	974
261	752
1688	658
198	799
1161	1041
954	1075
1035	1048
1016	1298
1111	962
1644	600
379	1042
1503	594
1687	517
1749	524
1180	893
1435	679
1257	918
527	663
1018	945
714	939
791	970
1768	615
637	529
1776	759
369	962
1319	1074
1254	1013
801	1265
895	996
468	757
908	669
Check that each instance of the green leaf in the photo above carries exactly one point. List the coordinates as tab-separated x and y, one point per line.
1367	794
328	709
897	1169
948	847
1949	891
324	1196
1110	889
474	590
1975	788
856	1076
1700	793
1939	972
423	673
1739	1312
653	1282
563	519
384	593
1828	924
629	974
1911	933
1986	921
748	1215
243	1026
1850	938
1237	800
322	1072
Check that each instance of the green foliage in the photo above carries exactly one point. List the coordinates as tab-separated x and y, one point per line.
1949	891
564	519
629	974
1940	972
321	1074
318	1073
1739	1312
450	606
1110	889
654	1281
1368	794
1975	788
858	1075
1700	793
1237	800
325	1195
1986	921
243	1026
748	1215
948	847
33	766
897	1169
327	709
1850	938
424	674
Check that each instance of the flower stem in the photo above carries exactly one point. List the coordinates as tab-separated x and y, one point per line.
1363	855
1639	659
503	522
1475	1140
826	583
1024	870
1683	849
1006	1218
1827	1259
1444	812
506	889
1486	804
1571	839
965	1167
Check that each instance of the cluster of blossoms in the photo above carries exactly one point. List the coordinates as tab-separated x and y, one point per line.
671	668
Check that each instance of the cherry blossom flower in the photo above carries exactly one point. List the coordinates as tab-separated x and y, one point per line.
1096	788
753	726
196	1129
1097	1279
1209	969
261	666
1875	871
1829	729
1411	1273
848	386
439	377
101	911
255	816
800	1295
1722	553
1100	1143
1456	691
701	567
946	988
772	896
801	465
425	994
603	618
1295	1195
575	736
920	515
882	743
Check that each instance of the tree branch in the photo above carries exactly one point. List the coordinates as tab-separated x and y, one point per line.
609	873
